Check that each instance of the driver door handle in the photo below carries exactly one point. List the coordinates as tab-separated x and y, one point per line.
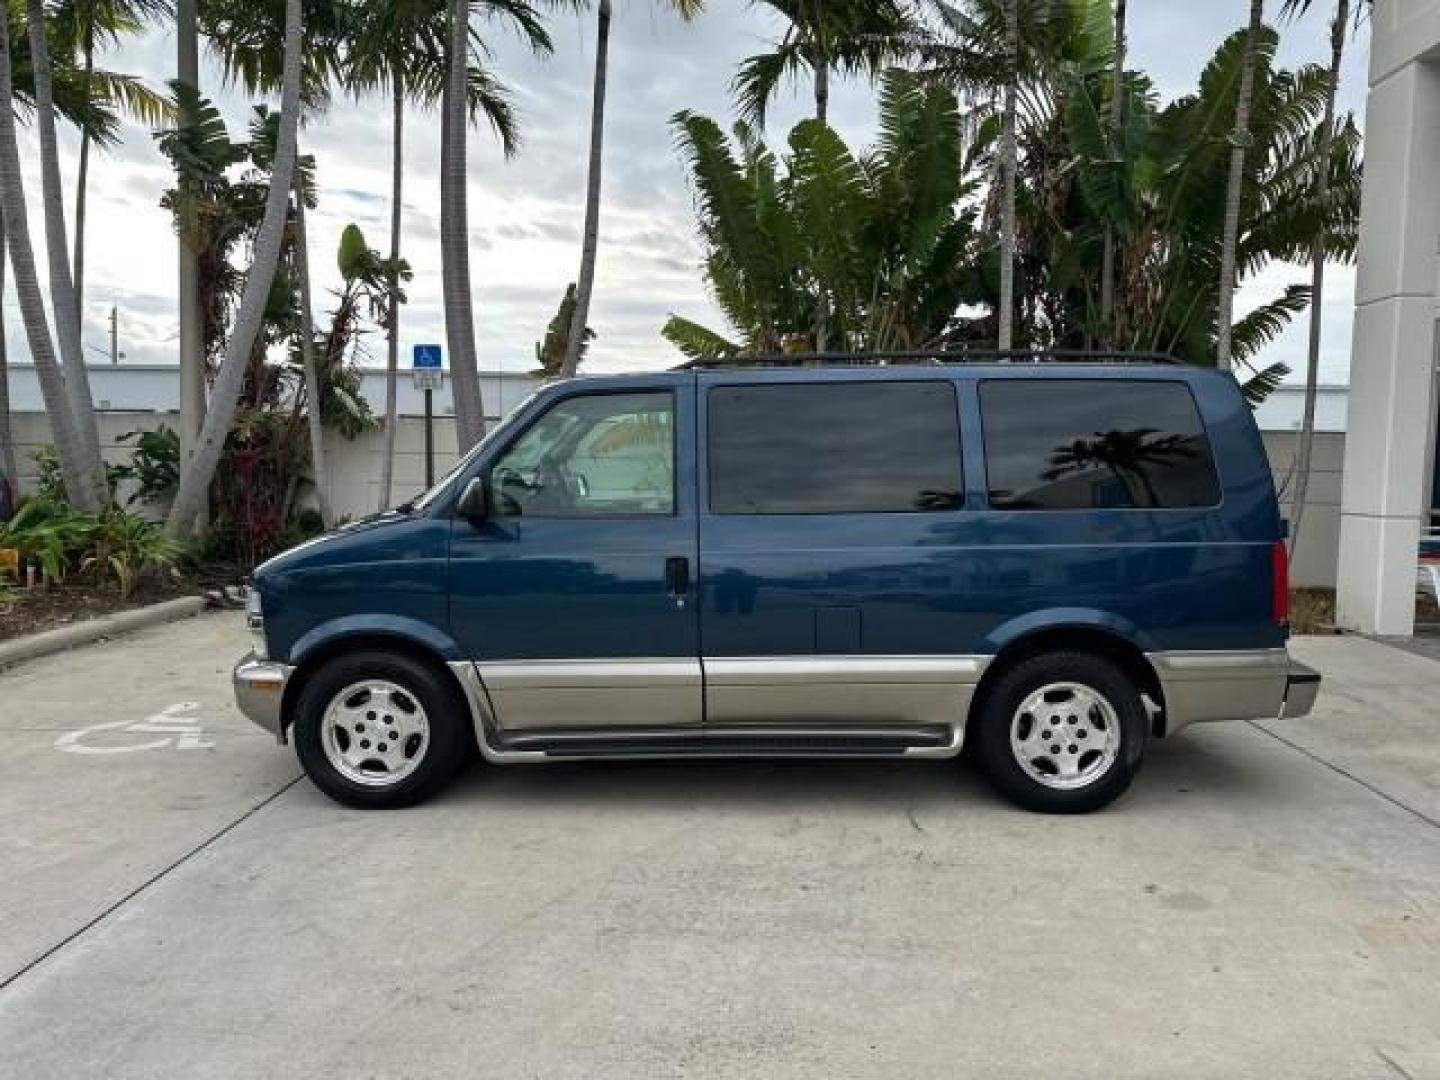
677	577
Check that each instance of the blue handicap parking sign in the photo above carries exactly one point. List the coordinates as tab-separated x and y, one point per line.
427	357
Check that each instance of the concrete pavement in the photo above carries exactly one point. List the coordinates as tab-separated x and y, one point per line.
1265	902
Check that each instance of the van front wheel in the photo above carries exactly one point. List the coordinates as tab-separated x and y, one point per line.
1062	732
377	730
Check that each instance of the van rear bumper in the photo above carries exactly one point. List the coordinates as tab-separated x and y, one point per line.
1302	687
1201	687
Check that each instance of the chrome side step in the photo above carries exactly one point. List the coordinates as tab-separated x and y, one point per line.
749	741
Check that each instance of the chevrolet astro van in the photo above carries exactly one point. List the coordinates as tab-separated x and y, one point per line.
1048	562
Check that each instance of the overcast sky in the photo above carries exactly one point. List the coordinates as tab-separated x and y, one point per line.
526	213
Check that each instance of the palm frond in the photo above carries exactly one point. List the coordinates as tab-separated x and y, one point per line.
697	342
1268	321
1263	383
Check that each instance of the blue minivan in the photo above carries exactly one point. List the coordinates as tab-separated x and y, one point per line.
1048	562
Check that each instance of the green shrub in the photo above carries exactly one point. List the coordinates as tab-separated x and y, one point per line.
113	546
126	547
49	534
154	465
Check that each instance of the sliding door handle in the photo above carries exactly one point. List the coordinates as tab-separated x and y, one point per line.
677	576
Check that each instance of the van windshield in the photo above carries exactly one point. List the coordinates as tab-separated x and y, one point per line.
423	500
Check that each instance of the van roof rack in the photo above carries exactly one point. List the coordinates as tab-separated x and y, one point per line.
930	356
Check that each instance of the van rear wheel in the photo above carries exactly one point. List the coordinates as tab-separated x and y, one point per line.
377	730
1062	732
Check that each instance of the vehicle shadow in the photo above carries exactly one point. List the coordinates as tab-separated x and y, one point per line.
1185	768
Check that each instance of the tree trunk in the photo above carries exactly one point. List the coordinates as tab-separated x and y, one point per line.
82	181
313	392
455	236
28	296
192	326
62	288
1009	162
1112	331
580	317
822	90
1234	188
1317	278
251	314
7	437
392	323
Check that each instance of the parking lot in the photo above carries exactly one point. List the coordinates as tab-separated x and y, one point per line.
175	902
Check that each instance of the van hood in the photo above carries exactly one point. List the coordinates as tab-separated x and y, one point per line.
319	548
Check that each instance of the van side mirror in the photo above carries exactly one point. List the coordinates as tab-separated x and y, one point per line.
474	501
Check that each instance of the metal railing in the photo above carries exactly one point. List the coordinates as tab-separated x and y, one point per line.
929	356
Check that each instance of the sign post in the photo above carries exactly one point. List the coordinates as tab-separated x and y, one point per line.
429	376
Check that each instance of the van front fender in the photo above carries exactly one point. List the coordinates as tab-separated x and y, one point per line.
414	631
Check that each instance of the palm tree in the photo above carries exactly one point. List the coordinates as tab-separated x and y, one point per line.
455	235
1009	164
550	351
79	479
90	24
7	443
62	293
1318	256
1235	183
230	380
313	393
400	46
1117	96
191	318
580	321
90	107
824	37
241	34
1152	182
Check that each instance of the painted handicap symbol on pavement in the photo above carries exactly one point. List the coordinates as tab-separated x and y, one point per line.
170	728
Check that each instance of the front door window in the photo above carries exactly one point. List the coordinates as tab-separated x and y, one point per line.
596	455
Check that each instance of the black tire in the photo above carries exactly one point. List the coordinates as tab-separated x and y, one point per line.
991	727
438	761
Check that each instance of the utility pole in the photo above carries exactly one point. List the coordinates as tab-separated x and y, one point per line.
114	333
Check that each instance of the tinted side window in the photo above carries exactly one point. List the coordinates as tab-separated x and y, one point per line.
1070	444
834	448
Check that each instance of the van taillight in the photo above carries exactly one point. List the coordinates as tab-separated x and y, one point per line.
1280	583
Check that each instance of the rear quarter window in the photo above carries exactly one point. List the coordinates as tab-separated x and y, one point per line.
1095	444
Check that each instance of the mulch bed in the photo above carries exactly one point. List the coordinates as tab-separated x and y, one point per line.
37	610
1427	614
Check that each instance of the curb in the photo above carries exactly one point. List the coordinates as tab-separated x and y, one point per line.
91	630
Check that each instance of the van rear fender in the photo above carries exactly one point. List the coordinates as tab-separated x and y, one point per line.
1075	629
1067	618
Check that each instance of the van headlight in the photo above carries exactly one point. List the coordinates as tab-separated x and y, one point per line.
255	623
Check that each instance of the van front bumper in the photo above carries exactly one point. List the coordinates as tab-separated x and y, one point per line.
260	691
